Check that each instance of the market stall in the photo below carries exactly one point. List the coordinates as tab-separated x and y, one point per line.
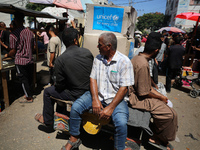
8	63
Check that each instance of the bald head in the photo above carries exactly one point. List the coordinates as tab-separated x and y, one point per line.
109	38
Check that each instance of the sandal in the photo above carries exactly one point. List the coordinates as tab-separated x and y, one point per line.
38	118
73	144
162	147
25	101
159	146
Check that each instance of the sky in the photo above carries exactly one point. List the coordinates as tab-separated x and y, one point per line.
144	6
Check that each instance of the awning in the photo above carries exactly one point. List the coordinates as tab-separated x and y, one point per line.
10	9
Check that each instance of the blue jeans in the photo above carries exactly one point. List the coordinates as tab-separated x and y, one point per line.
119	116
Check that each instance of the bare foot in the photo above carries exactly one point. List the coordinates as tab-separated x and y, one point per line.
153	139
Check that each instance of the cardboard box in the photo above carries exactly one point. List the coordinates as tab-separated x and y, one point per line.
91	42
128	21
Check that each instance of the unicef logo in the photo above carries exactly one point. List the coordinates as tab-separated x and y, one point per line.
115	17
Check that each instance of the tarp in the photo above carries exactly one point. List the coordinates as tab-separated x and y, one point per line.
73	4
42	1
10	9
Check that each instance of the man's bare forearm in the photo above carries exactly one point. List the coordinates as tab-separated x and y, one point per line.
119	97
94	89
155	94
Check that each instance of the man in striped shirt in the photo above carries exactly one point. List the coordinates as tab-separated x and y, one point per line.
111	74
21	46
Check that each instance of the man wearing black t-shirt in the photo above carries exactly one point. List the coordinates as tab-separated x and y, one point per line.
175	59
4	40
72	72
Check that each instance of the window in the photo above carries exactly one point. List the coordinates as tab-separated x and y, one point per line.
194	2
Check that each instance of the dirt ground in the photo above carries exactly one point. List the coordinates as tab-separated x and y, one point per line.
19	130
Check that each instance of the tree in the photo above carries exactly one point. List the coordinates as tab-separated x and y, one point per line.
152	21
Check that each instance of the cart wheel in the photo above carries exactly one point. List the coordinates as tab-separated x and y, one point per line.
193	93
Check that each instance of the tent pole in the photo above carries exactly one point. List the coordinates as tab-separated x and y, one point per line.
36	39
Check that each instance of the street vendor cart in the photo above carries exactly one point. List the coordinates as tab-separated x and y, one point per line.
8	63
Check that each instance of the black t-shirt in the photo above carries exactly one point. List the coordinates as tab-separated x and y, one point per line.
72	70
175	56
196	52
5	39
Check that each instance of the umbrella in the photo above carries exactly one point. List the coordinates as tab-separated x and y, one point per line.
171	29
54	11
138	32
42	1
73	4
189	16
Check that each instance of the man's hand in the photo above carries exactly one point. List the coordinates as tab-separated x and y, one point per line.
51	65
164	99
6	55
96	107
106	113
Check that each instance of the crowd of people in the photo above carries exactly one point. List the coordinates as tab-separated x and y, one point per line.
108	84
177	49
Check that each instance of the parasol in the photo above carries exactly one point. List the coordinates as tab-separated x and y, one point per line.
52	11
189	16
42	1
171	29
193	17
138	32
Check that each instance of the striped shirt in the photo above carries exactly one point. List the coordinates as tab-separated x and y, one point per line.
112	75
22	40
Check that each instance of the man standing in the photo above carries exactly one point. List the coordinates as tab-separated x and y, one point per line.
175	61
111	74
72	71
4	39
22	45
143	96
53	50
160	56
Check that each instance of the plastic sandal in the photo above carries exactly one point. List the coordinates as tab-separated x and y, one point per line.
26	101
159	146
37	117
73	144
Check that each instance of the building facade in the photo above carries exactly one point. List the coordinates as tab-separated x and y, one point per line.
174	7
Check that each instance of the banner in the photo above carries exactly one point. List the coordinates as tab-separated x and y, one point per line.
108	18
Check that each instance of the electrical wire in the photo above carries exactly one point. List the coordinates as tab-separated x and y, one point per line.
135	2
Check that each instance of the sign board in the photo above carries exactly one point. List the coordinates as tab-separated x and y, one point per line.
108	18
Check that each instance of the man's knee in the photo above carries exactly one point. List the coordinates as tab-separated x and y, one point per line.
75	107
121	122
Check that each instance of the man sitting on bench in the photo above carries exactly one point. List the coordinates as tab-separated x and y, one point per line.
144	97
111	74
72	71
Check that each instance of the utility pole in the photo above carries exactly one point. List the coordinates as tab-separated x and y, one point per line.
130	2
